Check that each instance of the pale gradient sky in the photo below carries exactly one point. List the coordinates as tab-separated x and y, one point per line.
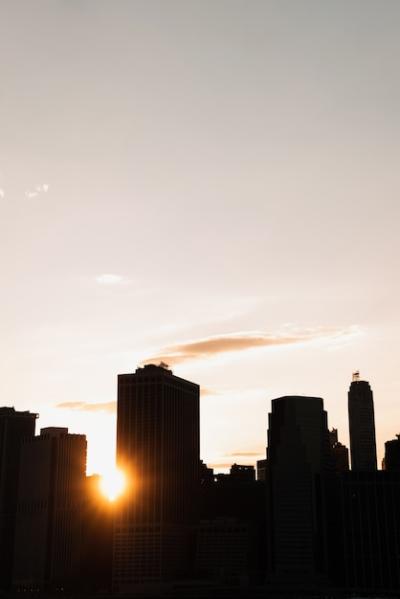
177	170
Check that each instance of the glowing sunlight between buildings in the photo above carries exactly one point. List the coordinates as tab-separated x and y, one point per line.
112	484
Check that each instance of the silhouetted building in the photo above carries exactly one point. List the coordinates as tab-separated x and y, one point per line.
242	473
362	426
232	531
224	550
339	452
262	469
366	535
14	428
298	454
97	538
206	474
49	519
392	455
158	449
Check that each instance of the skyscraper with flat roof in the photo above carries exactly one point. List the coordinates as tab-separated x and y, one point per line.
158	450
14	428
362	426
49	517
298	455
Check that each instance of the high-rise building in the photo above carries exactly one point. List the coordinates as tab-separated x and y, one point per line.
362	426
158	450
392	455
298	455
14	428
49	517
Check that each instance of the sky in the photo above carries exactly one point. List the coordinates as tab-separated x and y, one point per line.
211	183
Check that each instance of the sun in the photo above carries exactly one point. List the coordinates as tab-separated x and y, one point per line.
112	484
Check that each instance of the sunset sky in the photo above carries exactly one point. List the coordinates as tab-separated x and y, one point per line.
211	183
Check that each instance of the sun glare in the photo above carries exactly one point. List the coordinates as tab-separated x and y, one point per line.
112	484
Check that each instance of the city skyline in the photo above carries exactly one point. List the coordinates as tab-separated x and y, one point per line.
114	478
212	184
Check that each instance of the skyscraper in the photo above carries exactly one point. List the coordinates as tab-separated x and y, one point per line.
158	449
48	527
362	426
14	428
298	455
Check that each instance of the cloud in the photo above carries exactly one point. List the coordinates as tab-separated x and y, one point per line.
220	465
2	193
108	406
236	342
111	279
208	391
246	454
33	193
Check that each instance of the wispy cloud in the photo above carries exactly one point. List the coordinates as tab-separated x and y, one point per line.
246	454
2	193
208	391
37	190
111	279
236	342
108	406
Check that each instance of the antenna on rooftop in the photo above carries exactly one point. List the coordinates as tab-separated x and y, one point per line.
356	375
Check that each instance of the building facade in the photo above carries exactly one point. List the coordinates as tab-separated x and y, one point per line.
298	455
49	516
362	426
158	450
14	428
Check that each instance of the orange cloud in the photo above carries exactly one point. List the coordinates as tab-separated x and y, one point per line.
108	406
211	346
246	454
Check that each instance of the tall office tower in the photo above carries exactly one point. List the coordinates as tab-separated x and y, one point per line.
392	455
362	426
298	455
158	449
49	518
14	427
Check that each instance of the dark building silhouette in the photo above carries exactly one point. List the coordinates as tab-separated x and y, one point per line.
298	455
231	540
206	474
97	538
365	536
261	469
223	551
339	452
362	426
392	455
243	473
14	428
48	538
158	449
